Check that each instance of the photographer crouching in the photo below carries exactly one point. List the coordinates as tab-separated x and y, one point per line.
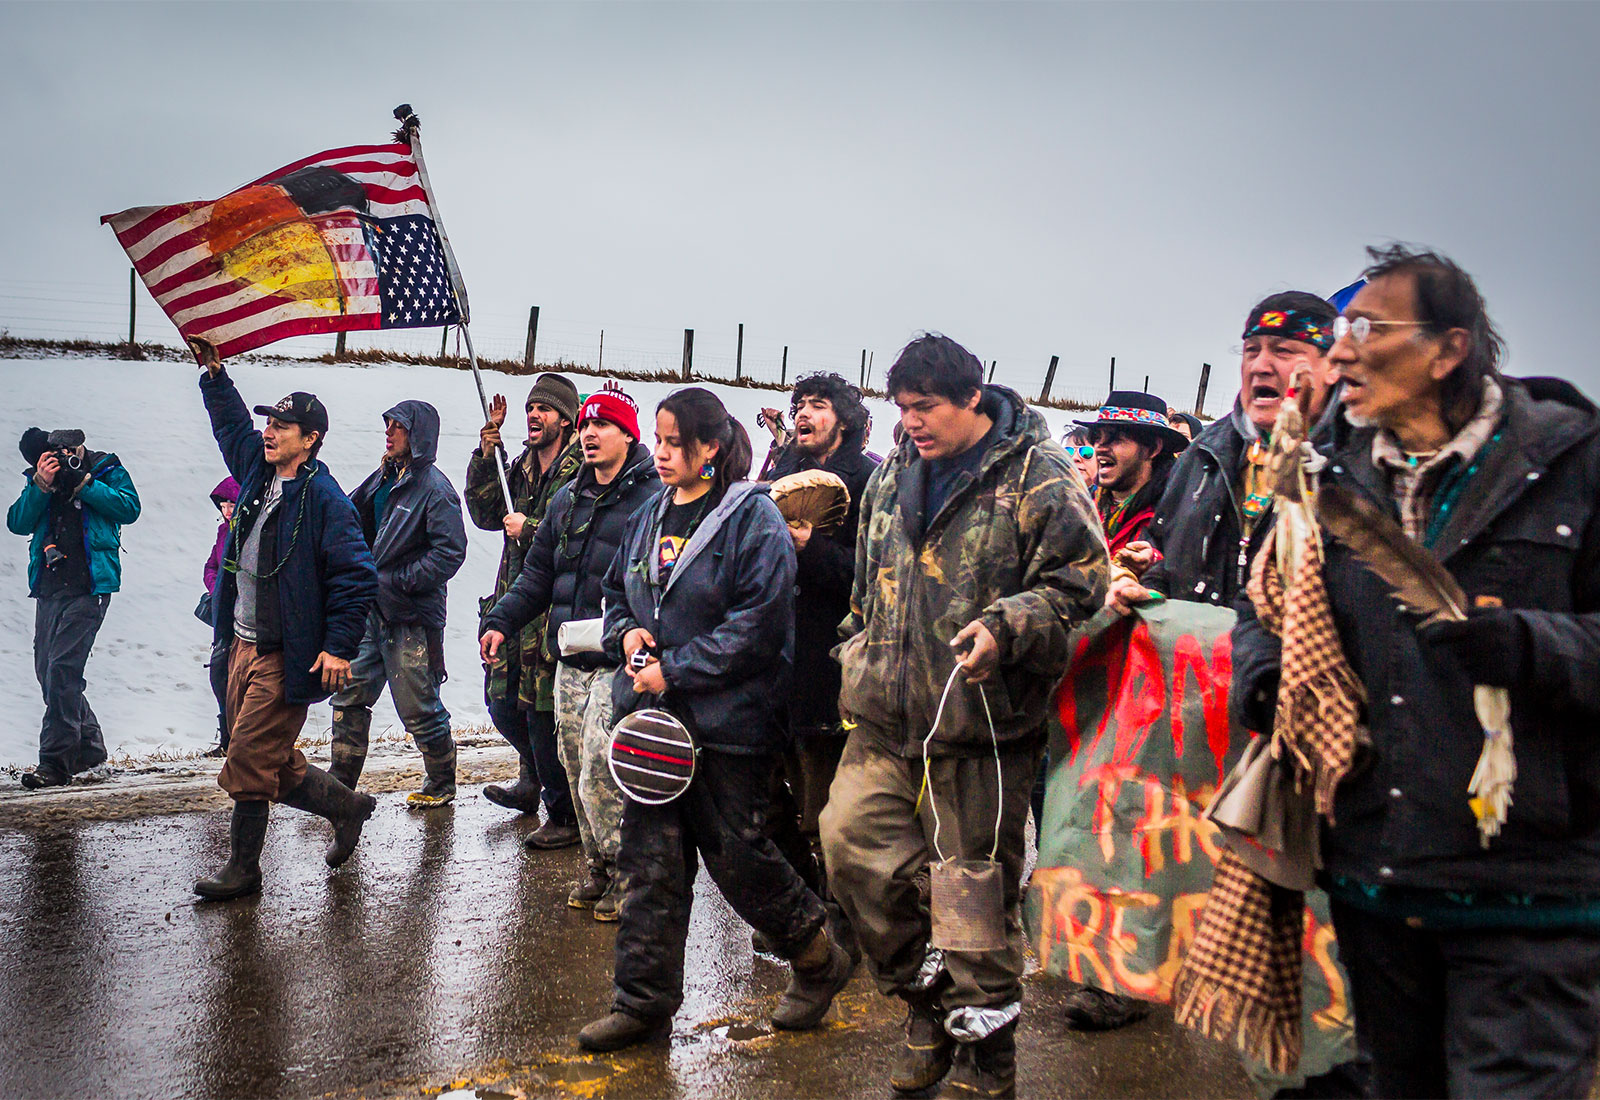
73	506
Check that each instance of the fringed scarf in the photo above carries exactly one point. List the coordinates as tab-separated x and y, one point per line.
1241	979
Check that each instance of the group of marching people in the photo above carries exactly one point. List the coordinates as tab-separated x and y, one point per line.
871	699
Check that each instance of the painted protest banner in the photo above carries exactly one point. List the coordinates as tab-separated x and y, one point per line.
1140	741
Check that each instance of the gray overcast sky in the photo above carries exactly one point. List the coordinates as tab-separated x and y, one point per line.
1077	180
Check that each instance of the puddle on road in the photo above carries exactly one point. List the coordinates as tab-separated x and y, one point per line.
743	1032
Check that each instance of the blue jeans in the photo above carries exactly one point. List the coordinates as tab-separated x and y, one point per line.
395	654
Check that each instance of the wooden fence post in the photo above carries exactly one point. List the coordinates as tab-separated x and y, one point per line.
1113	374
533	337
1049	379
863	368
1200	398
444	339
1147	383
688	354
992	363
738	356
870	356
133	281
783	371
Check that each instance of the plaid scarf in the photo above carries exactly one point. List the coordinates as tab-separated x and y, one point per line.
1241	979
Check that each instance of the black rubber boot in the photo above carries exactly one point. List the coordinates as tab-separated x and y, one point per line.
1091	1009
522	796
925	1058
813	984
241	875
42	777
440	787
986	1068
617	1030
325	796
351	726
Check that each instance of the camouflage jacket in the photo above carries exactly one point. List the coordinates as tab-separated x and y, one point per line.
1017	546
523	659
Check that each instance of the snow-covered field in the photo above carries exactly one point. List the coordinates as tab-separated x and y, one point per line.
147	680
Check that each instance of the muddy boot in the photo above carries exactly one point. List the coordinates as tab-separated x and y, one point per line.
550	836
1091	1009
241	875
440	787
820	971
589	891
522	796
985	1068
925	1059
325	796
617	1030
349	748
607	908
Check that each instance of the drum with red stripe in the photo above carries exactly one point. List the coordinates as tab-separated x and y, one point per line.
652	757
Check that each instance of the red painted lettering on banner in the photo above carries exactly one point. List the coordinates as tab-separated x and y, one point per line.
1213	679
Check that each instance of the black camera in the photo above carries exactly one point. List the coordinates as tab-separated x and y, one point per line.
641	657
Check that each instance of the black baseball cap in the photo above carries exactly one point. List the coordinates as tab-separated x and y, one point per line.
299	408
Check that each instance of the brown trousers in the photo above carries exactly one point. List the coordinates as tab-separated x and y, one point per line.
877	833
262	764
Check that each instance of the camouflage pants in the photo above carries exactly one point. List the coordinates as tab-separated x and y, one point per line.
583	733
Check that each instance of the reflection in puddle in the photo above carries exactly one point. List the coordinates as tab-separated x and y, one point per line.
743	1032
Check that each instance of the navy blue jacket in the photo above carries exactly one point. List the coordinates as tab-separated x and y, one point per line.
566	565
1526	533
422	541
723	622
327	581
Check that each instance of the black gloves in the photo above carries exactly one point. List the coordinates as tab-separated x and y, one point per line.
1491	644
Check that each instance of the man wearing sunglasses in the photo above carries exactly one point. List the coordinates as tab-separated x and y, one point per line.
1217	508
1134	447
520	683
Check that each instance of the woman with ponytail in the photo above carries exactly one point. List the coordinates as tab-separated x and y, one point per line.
703	585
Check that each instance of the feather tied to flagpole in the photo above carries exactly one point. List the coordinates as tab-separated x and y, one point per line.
1423	585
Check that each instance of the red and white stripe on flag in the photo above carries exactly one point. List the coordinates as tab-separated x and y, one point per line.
310	248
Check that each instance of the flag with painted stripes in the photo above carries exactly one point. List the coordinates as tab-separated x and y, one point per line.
342	240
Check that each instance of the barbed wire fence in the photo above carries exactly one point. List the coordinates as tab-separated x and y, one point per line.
106	313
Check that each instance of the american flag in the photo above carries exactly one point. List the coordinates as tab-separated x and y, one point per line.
341	240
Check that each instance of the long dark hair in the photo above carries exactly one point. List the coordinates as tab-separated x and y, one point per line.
703	420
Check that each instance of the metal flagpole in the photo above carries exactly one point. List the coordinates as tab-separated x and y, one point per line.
412	129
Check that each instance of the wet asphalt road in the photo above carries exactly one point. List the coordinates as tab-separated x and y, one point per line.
441	959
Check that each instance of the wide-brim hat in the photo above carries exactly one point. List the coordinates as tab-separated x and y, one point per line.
1133	409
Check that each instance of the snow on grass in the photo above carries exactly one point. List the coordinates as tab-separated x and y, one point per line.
147	678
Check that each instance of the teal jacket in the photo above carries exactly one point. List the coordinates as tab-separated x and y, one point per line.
109	500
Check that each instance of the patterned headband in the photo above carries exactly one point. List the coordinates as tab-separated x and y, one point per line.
1291	324
1134	416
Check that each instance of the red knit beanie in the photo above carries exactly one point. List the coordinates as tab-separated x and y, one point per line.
612	405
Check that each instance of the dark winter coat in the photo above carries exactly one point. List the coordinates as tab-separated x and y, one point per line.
1197	525
1525	532
522	669
326	581
565	570
723	622
422	541
227	490
1017	546
109	500
825	573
